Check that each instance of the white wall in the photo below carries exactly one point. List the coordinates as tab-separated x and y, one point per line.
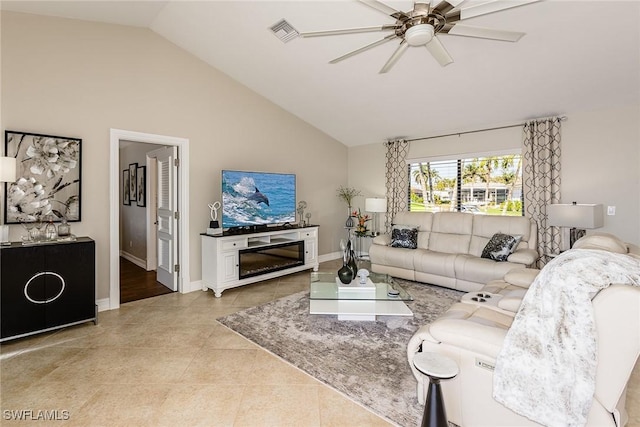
600	162
80	79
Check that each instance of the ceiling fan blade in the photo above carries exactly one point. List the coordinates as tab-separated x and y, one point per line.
395	57
387	10
446	6
348	31
362	49
438	51
483	33
491	7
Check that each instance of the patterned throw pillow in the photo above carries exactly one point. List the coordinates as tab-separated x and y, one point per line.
404	238
500	247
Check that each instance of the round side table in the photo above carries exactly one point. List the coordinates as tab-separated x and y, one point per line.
437	367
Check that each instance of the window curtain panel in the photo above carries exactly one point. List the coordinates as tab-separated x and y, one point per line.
397	178
541	175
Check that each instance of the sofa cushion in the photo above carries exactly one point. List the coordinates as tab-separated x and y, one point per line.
485	226
392	257
500	246
437	263
451	232
473	328
420	220
404	237
521	277
511	300
470	268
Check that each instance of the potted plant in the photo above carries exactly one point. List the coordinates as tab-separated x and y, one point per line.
347	194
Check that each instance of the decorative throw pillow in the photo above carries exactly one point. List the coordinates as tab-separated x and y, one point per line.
500	247
404	238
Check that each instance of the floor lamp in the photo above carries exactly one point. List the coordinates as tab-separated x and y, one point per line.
575	218
7	174
375	205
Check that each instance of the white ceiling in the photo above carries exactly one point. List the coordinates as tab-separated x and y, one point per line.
577	55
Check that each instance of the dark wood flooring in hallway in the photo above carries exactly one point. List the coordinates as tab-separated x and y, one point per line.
136	283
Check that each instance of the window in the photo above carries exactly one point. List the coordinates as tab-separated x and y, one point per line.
483	185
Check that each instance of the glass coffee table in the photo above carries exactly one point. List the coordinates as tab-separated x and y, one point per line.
380	296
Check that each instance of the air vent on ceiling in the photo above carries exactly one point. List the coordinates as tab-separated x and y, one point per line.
284	31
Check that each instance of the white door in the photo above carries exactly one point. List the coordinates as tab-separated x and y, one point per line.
167	216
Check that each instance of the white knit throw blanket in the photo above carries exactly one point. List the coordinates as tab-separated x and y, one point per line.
546	369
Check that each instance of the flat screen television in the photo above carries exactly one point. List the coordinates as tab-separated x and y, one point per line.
257	198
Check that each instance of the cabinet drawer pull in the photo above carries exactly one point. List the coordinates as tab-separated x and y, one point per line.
26	293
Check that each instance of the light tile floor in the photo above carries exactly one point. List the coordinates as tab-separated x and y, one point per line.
165	361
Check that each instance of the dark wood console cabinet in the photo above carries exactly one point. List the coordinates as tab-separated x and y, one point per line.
46	286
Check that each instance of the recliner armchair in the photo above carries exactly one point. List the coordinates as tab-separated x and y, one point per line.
473	336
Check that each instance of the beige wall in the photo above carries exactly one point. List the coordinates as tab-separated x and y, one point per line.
600	162
79	79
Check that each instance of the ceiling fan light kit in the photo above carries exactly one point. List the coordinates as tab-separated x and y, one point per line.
419	35
422	25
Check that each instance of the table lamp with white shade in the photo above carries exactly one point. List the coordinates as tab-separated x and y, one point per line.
375	205
7	174
575	218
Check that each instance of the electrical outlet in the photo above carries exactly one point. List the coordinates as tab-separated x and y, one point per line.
611	210
130	243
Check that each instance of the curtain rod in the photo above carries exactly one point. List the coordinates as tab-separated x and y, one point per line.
561	118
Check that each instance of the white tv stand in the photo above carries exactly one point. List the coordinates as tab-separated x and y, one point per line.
222	256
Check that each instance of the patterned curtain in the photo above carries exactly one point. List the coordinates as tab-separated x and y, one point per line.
541	175
397	178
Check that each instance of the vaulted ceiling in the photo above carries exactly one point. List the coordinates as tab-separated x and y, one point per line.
576	55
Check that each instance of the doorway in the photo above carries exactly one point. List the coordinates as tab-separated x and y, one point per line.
140	276
179	209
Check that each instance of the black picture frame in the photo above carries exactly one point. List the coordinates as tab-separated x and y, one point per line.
133	190
125	188
49	172
141	176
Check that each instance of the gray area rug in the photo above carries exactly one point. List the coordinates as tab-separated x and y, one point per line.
364	360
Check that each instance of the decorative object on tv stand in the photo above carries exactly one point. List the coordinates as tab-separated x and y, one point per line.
575	218
375	205
7	174
347	194
214	225
301	206
48	177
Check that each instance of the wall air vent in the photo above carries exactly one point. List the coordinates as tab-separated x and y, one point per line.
284	31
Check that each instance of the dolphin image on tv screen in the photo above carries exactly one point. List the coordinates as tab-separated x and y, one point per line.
258	197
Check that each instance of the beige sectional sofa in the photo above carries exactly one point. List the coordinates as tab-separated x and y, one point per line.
449	249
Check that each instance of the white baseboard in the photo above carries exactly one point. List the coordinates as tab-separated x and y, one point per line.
192	287
103	304
134	259
330	256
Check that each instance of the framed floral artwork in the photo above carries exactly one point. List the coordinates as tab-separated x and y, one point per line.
49	178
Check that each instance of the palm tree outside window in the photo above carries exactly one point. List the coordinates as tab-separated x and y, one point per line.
484	185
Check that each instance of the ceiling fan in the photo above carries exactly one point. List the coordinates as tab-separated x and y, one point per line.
422	25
